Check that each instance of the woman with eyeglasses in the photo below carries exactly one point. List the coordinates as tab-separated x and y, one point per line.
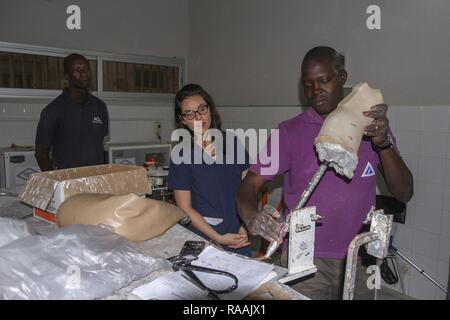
207	192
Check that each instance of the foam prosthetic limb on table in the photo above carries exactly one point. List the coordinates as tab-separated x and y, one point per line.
340	136
131	216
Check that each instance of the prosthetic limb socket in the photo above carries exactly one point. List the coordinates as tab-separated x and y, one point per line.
340	136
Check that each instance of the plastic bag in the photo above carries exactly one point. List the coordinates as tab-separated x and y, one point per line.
76	262
11	229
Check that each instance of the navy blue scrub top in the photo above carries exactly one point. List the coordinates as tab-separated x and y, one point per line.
214	189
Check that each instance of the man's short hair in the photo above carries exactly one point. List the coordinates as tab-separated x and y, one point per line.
70	59
337	59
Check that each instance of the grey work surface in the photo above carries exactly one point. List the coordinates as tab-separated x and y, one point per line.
167	245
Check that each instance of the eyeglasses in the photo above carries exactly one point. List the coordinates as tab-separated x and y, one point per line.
201	110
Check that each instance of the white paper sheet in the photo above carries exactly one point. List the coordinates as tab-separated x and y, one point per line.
249	272
171	286
174	286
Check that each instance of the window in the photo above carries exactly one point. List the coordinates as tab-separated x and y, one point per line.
38	71
137	77
34	71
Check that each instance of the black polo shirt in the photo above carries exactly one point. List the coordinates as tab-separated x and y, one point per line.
73	131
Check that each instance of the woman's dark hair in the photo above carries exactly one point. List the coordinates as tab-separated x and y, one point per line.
190	90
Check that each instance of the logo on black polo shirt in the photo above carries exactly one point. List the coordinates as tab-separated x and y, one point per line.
97	120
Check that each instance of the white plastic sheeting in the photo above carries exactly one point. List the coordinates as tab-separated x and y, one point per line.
12	229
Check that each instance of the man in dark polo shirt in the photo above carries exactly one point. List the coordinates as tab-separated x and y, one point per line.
73	126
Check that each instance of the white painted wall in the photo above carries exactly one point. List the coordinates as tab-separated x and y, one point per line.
149	27
249	52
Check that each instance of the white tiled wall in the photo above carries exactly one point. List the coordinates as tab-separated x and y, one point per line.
256	117
129	122
136	123
423	137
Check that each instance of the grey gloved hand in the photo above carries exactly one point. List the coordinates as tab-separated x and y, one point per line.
266	225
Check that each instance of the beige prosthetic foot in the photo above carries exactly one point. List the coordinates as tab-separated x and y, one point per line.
131	216
340	136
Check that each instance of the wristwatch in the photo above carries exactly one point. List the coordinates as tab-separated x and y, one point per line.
385	145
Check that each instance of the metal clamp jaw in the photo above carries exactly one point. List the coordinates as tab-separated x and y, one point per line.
377	244
301	242
380	225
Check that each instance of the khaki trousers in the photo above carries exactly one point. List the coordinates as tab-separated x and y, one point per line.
328	282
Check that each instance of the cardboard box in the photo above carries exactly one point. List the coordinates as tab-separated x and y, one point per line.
47	190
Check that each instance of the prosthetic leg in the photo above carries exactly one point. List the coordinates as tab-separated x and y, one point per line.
341	133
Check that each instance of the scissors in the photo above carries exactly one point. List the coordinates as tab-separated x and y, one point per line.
183	263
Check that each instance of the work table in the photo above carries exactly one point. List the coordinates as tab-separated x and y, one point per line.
167	245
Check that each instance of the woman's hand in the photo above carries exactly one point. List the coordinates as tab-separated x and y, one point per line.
235	240
245	241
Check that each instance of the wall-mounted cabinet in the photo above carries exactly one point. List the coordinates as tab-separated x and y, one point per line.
30	71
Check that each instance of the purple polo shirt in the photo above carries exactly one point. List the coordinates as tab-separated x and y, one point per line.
343	203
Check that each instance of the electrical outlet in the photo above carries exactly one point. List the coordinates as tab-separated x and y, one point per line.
157	128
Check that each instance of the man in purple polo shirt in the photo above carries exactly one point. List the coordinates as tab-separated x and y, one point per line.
344	203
